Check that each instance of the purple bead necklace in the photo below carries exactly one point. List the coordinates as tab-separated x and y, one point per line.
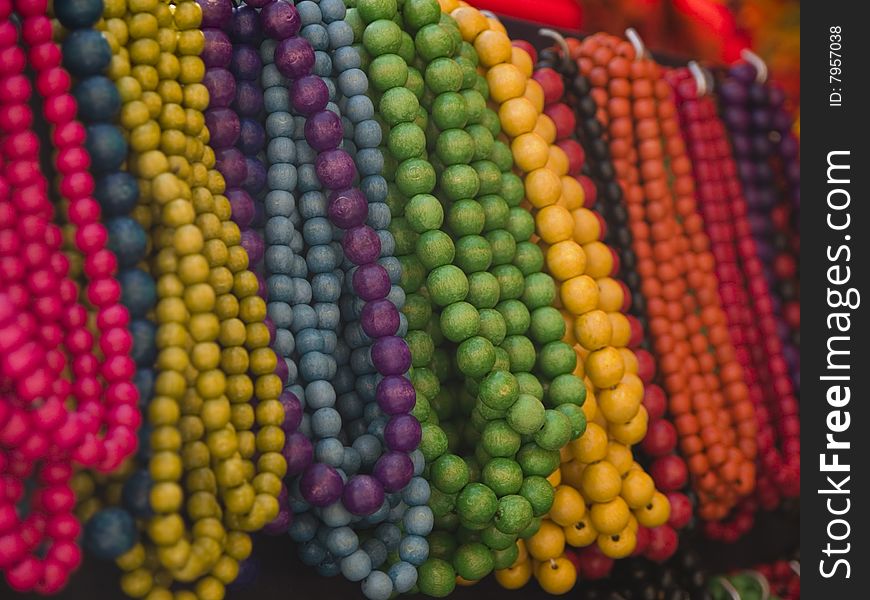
234	119
768	166
322	484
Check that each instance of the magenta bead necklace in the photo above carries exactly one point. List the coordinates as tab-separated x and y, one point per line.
49	352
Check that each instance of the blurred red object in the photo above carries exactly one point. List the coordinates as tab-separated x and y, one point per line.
564	14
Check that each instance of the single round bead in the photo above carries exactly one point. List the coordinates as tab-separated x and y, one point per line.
110	533
294	57
309	95
391	356
403	433
363	495
378	586
86	52
335	169
321	485
394	470
347	208
323	130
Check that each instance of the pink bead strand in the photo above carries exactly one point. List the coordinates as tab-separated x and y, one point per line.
49	354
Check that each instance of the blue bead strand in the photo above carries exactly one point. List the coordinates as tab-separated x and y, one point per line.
111	531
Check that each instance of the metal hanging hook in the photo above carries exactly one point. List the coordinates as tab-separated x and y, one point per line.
561	42
489	14
729	587
700	77
636	41
756	61
762	581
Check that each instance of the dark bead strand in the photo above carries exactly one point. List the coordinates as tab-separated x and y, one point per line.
786	215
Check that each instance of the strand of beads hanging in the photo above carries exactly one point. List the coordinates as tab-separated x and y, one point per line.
768	164
117	192
601	189
512	85
213	356
595	328
335	171
45	320
282	241
236	104
126	493
556	360
413	178
371	308
708	395
668	469
410	177
747	301
351	562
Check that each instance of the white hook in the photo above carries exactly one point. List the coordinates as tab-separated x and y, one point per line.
560	41
636	41
489	14
756	61
728	587
762	581
795	566
700	77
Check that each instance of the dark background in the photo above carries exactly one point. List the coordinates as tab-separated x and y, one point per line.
283	577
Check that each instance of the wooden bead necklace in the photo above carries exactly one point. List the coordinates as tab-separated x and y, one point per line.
236	99
714	416
210	321
470	287
454	94
117	192
745	297
378	353
316	287
45	320
768	165
615	405
667	468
